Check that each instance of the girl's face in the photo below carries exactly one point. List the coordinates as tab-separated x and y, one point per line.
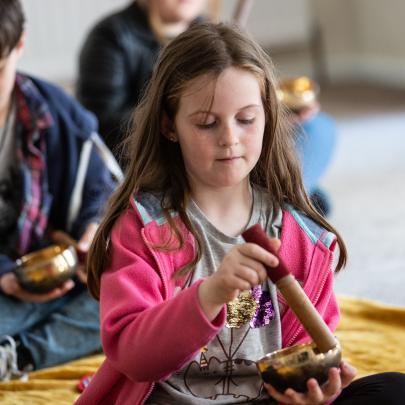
175	11
219	126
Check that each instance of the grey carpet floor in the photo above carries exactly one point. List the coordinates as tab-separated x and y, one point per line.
366	181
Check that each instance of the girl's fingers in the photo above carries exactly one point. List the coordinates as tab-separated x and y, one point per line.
237	283
348	372
257	253
242	268
315	394
278	396
334	384
255	266
249	275
295	397
275	243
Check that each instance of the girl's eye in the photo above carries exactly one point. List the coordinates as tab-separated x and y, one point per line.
207	125
246	121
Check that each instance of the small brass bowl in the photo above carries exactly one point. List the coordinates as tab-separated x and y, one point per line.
298	93
293	366
46	269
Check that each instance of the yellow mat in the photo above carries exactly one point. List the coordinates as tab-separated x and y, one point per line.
372	336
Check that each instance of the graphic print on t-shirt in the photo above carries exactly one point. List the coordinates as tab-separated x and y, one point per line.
250	311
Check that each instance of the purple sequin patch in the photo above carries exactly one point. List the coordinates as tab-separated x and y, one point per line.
265	311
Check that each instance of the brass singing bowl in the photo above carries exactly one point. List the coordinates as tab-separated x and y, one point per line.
46	269
298	92
294	366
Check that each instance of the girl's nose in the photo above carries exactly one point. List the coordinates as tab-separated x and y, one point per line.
228	136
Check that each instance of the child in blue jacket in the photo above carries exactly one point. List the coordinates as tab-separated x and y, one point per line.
53	184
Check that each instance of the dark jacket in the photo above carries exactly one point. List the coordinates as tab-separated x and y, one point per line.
72	128
115	64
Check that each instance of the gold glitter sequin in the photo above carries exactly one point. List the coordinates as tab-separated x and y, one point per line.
241	310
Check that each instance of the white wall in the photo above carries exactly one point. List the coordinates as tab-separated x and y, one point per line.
364	40
55	31
276	23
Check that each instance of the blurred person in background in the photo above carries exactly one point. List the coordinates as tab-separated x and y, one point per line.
118	56
315	143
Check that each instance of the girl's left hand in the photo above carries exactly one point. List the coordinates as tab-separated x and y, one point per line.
316	395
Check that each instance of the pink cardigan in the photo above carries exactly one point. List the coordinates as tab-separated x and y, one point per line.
148	332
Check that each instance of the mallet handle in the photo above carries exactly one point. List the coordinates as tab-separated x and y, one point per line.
293	293
307	314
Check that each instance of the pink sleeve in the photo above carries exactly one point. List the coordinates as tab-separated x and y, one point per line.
144	336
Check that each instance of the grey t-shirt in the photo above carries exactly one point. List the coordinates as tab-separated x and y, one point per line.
224	372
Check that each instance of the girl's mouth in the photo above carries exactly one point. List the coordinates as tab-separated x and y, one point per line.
229	159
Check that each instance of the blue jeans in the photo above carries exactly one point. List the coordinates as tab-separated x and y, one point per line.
54	332
315	145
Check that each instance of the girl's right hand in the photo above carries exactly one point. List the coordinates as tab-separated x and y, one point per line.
242	268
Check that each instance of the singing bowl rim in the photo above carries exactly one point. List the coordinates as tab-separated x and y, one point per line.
298	92
45	255
283	355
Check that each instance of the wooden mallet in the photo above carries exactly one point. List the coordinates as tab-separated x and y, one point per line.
294	294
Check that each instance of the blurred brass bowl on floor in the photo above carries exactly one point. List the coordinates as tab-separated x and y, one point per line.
46	269
298	93
293	366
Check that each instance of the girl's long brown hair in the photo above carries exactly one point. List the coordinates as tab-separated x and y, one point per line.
155	164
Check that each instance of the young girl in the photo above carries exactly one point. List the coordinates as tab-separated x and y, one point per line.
186	307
